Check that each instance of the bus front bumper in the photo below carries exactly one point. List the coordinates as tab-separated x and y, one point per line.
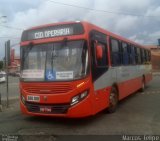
81	109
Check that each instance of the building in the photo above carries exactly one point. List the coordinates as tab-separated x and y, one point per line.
155	57
15	63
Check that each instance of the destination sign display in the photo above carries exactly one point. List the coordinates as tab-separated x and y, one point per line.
53	31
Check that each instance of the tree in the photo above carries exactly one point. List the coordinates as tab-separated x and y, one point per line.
1	65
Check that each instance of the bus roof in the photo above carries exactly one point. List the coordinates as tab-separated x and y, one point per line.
90	26
53	24
115	35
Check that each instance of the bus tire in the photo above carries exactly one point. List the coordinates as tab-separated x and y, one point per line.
113	100
142	89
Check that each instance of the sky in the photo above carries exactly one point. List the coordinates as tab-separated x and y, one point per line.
137	20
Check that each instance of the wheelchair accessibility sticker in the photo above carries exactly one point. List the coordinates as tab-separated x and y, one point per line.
50	75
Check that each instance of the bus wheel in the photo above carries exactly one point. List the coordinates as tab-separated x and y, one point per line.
113	100
143	85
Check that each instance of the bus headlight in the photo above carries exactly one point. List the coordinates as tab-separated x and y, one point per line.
23	99
78	98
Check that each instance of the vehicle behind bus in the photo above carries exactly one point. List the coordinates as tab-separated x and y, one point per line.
2	77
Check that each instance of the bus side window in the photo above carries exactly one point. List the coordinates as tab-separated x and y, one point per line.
139	55
136	55
115	52
129	53
100	54
142	56
125	52
132	55
146	56
149	56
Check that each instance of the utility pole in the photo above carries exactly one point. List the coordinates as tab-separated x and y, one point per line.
7	63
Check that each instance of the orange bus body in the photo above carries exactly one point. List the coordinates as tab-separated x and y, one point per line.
55	97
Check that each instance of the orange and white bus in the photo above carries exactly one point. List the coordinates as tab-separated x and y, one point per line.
76	69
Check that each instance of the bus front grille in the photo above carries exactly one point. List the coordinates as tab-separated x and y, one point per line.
48	89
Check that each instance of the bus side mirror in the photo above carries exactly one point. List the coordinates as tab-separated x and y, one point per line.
99	52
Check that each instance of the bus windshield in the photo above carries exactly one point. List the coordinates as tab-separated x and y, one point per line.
66	60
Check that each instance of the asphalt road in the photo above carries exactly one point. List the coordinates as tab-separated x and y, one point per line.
137	114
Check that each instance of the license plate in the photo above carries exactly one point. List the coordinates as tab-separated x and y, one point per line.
46	109
33	98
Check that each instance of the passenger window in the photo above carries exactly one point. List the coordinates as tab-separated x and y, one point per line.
125	53
115	45
149	56
132	55
100	54
115	52
136	55
139	55
146	56
142	56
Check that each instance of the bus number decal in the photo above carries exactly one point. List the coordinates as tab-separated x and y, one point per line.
33	98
